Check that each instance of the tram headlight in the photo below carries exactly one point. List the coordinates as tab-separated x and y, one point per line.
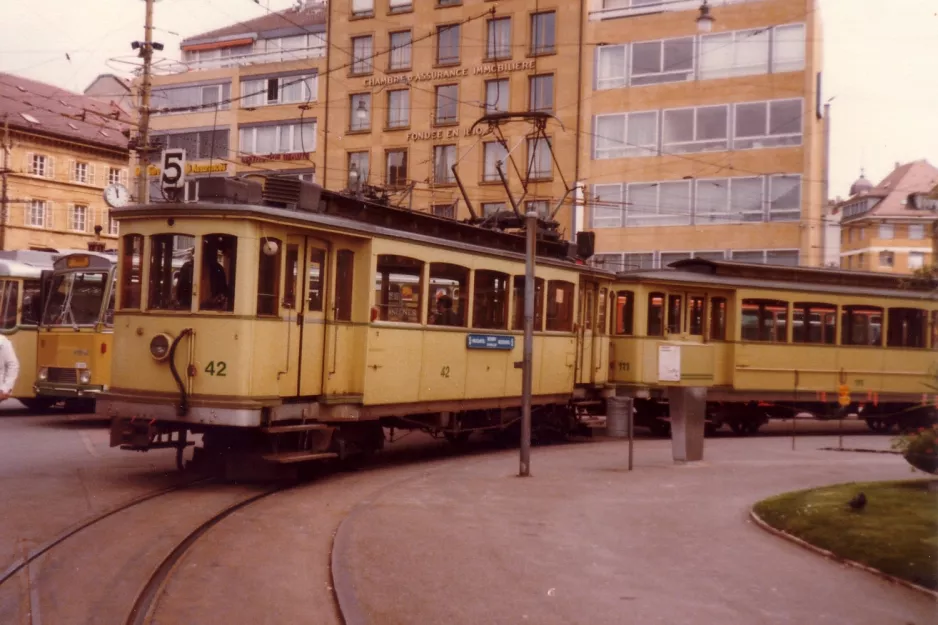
84	377
43	374
159	347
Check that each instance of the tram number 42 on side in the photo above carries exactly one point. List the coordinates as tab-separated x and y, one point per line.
216	368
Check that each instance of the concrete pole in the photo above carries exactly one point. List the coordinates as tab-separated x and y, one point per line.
143	140
4	198
527	361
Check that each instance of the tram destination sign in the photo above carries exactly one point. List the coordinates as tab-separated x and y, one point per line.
490	341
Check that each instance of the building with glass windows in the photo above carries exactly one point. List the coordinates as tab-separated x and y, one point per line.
664	133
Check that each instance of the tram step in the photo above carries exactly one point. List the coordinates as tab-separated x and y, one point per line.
299	456
587	403
305	427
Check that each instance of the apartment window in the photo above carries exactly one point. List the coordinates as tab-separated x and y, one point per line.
447	111
542	93
498	42
359	112
789	258
111	225
713	202
738	53
83	173
359	161
671	60
37	213
399	108
643	260
448	3
78	218
916	260
542	33
363	7
609	262
768	124
916	231
788	48
444	157
395	169
612	66
541	207
446	211
279	90
539	165
400	57
709	255
203	144
666	258
494	151
493	208
41	165
887	231
362	55
887	259
283	138
625	134
700	129
400	6
659	204
784	198
746	198
191	98
447	45
607	205
497	96
116	175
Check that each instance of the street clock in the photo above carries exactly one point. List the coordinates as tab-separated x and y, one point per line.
116	195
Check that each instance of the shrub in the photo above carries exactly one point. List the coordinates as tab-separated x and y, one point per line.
920	449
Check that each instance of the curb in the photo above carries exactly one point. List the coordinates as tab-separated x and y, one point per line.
861	450
833	556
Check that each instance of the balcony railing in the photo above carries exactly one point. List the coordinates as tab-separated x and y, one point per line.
254	58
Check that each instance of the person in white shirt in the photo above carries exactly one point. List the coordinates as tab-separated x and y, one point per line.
9	367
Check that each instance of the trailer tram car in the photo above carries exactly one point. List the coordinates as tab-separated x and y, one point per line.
76	330
309	322
772	341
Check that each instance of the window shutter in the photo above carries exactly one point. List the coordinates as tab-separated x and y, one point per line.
29	162
71	170
90	173
51	167
123	177
47	216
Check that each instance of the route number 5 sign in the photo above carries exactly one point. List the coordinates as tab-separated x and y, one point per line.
173	174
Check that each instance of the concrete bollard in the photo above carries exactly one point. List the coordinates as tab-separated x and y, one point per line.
617	416
688	407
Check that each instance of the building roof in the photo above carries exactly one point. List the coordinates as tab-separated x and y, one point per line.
122	83
894	190
299	18
49	110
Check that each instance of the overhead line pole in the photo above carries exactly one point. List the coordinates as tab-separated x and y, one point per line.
4	199
143	139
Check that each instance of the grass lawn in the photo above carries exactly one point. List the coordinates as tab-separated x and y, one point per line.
896	533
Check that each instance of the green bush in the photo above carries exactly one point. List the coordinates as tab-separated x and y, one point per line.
919	448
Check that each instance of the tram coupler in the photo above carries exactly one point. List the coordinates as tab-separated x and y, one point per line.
144	435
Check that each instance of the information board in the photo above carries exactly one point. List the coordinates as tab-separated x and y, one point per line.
669	363
490	341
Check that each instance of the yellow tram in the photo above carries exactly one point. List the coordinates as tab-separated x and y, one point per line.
307	320
74	354
777	339
20	309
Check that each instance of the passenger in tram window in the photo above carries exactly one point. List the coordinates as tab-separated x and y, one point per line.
184	287
445	315
214	283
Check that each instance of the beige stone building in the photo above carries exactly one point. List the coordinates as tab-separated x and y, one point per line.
63	149
667	142
889	227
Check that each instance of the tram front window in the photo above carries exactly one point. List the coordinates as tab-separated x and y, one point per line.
75	299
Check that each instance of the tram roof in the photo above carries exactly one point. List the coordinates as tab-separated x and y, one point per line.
780	277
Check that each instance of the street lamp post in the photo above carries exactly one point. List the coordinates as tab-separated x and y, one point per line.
705	20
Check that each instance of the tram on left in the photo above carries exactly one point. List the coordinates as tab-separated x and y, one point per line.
73	361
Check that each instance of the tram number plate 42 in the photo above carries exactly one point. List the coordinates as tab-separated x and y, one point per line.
217	368
490	341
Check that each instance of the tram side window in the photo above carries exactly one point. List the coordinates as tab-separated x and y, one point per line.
695	315
588	293
560	306
32	302
398	285
9	292
718	319
906	327
601	312
292	263
624	313
490	300
268	277
675	310
934	329
814	323
344	275
518	319
655	314
315	268
449	295
861	325
217	282
131	261
765	320
170	273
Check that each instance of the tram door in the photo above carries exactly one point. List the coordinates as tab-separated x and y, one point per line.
586	370
311	320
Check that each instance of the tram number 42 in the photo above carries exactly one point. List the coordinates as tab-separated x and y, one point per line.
216	368
444	372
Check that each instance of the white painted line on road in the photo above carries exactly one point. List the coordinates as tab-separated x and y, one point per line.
32	574
89	445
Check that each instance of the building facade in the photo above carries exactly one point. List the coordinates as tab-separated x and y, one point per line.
245	98
661	137
62	150
889	227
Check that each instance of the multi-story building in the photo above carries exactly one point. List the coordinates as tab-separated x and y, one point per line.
888	227
62	150
667	141
245	98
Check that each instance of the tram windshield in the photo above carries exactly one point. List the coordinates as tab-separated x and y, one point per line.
75	299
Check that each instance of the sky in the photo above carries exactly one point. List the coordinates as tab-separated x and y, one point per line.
880	63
